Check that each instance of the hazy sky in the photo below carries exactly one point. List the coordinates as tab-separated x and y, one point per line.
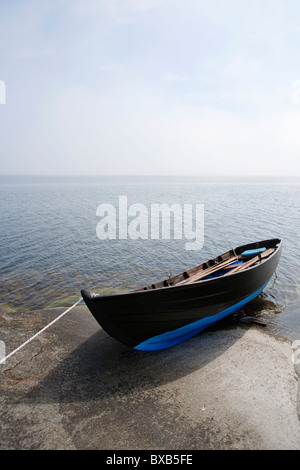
150	87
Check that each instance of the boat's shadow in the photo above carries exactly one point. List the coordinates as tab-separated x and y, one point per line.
100	368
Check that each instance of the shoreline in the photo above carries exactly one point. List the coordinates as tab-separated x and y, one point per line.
74	387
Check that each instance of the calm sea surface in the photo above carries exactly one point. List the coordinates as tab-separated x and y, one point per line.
49	249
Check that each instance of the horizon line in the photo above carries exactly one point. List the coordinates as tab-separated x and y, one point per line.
149	175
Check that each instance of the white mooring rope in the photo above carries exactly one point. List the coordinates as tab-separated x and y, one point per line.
2	361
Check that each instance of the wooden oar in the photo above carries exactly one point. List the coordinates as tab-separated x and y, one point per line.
225	264
254	260
207	272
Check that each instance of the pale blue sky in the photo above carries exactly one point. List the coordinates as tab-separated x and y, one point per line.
150	87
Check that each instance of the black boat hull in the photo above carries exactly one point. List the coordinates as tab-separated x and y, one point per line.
156	319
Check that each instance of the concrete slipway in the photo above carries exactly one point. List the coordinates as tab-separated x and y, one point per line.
73	387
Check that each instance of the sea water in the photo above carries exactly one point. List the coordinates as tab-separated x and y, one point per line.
49	248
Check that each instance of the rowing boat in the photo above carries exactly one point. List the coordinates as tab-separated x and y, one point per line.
168	312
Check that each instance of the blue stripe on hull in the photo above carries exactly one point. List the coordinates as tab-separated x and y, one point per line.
170	338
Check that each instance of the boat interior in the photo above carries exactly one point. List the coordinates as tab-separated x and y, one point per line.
234	260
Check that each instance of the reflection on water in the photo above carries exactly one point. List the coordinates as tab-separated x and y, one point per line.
49	248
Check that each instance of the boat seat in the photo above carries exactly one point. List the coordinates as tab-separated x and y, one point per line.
256	252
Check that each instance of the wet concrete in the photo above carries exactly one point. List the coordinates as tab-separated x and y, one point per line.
74	387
